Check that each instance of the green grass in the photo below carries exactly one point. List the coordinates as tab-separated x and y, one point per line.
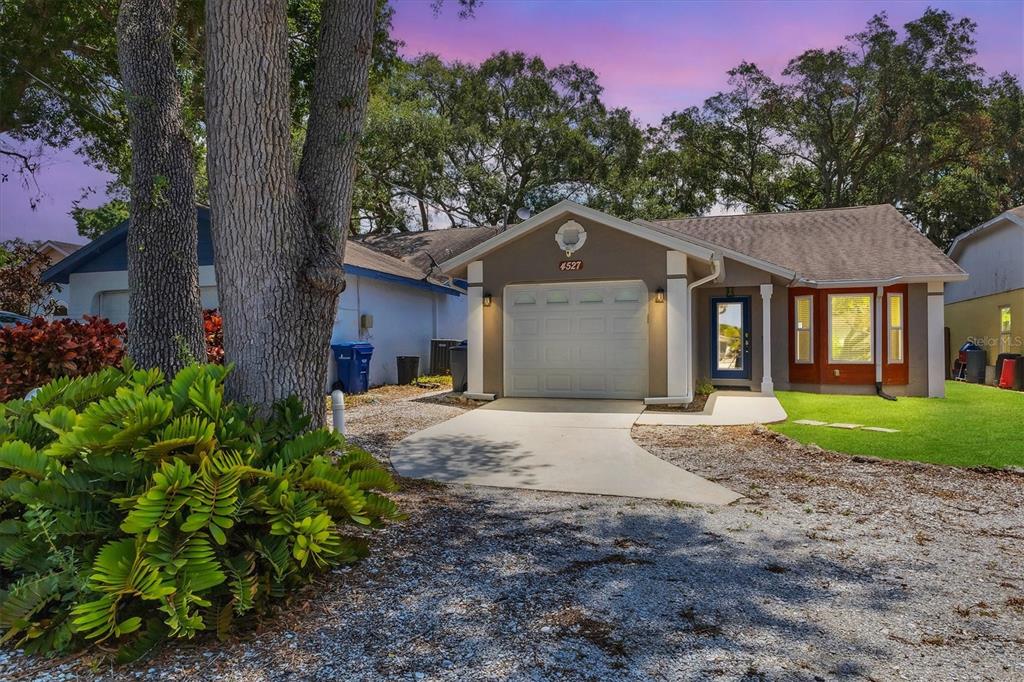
973	426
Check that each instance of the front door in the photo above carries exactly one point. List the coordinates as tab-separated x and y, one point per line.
730	337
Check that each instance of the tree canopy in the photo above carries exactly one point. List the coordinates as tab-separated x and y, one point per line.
899	115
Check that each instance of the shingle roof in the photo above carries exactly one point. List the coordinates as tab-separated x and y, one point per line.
418	248
839	244
361	256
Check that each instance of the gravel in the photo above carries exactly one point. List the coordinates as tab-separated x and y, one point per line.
833	567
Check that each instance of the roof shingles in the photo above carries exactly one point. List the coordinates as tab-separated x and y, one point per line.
862	243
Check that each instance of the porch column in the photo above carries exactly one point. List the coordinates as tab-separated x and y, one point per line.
475	329
767	386
936	341
677	315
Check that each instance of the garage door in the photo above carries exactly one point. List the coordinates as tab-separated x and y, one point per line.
113	305
579	340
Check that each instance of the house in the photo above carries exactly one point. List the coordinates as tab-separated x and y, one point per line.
574	302
391	303
55	251
988	309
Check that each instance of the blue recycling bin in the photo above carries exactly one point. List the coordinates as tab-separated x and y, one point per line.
353	360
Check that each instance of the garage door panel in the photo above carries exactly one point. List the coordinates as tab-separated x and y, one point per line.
584	340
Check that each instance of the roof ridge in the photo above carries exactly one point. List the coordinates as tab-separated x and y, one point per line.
757	213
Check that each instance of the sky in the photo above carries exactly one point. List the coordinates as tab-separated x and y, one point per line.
652	57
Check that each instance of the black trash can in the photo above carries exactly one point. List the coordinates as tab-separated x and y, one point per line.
457	361
439	363
353	361
408	369
977	359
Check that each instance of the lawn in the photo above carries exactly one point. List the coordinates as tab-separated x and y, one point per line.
973	426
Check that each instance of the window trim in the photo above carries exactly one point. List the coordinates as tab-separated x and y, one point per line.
889	327
871	329
797	330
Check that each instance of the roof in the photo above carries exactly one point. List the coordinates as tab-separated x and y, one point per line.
1014	216
668	238
108	252
427	248
66	248
863	243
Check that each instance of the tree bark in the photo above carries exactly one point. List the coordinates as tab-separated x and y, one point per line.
165	326
279	233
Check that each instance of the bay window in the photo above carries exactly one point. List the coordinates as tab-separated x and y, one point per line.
803	329
895	306
850	328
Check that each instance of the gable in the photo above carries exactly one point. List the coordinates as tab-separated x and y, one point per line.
994	259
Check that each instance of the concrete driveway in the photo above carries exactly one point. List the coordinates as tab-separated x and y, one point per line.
579	446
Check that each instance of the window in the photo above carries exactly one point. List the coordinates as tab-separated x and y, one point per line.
894	304
850	328
803	332
1005	324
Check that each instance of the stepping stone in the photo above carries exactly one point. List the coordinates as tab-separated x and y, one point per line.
810	422
881	429
841	425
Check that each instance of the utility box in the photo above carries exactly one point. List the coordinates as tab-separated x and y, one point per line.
353	360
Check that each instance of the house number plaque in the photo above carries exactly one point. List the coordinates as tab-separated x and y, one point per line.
570	265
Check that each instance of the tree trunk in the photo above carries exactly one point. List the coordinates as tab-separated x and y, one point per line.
279	234
165	326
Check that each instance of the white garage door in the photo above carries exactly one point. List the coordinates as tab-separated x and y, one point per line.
113	305
578	340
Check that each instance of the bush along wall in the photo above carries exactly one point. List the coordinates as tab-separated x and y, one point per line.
33	354
133	509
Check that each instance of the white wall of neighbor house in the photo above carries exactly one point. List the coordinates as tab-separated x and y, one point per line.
994	259
405	318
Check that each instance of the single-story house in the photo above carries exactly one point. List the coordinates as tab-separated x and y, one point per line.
988	309
388	302
578	303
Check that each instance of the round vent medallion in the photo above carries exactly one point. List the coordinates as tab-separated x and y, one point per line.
570	237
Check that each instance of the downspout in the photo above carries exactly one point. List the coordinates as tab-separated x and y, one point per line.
716	270
879	302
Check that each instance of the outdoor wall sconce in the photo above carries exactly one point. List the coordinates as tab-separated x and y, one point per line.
487	300
659	296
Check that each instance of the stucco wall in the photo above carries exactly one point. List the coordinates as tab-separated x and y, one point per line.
978	320
994	259
607	255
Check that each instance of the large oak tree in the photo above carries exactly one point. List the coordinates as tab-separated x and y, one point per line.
279	223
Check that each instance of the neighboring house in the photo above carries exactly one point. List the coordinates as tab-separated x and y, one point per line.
426	250
574	302
988	309
56	251
392	304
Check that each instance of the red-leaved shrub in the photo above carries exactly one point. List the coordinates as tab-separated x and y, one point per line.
213	330
33	354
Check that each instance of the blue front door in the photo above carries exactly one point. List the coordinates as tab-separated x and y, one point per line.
730	337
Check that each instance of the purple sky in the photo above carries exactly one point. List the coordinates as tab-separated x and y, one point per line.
653	57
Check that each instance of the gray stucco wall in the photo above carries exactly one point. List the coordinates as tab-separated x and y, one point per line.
607	255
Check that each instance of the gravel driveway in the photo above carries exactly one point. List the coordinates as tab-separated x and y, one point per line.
833	568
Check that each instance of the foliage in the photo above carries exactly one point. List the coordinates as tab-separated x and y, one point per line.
94	222
136	509
475	143
704	387
213	330
21	289
34	354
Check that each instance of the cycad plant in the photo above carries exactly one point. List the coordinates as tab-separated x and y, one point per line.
133	509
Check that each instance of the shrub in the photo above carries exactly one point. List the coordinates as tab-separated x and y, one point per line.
137	509
704	387
213	330
33	354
